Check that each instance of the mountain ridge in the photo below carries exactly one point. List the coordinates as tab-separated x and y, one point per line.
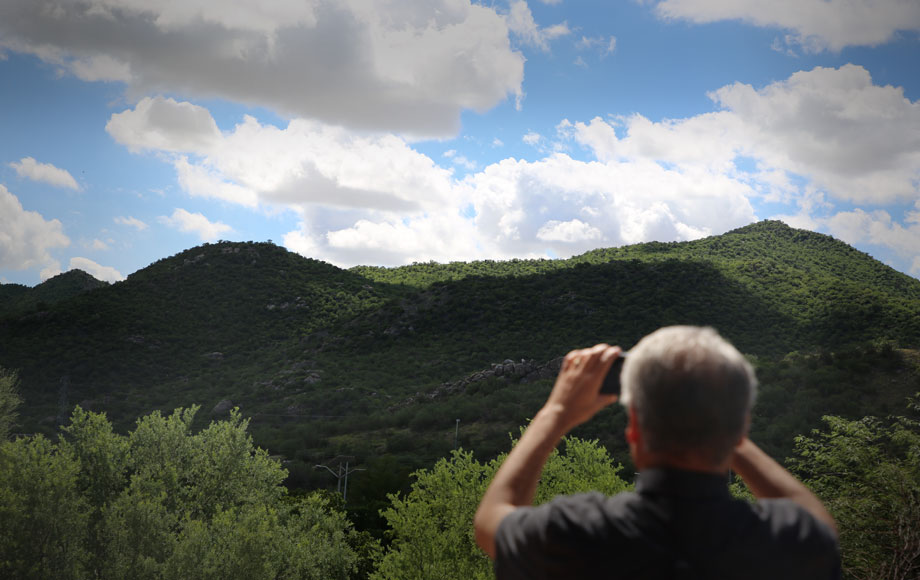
289	338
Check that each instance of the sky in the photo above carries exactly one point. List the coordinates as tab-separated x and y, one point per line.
387	132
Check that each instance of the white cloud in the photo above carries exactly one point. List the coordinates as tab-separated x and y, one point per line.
571	231
373	199
29	168
165	125
195	223
410	66
50	272
26	238
816	24
857	140
531	138
98	244
310	163
604	45
440	236
598	204
460	160
205	181
848	137
132	222
105	273
521	23
879	228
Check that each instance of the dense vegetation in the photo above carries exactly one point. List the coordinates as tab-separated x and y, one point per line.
391	369
165	502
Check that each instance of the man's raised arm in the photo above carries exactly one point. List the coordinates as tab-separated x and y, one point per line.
769	479
575	399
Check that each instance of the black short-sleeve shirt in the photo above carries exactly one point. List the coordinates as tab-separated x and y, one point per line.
677	524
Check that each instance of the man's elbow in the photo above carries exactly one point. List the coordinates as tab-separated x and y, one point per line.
484	532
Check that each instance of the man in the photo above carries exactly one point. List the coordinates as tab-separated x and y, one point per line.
688	393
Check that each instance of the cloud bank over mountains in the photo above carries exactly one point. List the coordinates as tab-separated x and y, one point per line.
360	84
824	134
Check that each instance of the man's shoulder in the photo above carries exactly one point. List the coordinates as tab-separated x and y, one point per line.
773	536
789	523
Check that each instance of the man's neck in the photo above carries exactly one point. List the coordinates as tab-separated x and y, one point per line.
685	462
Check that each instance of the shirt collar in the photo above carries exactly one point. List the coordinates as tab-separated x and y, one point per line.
680	483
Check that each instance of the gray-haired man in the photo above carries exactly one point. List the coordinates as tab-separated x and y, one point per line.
689	394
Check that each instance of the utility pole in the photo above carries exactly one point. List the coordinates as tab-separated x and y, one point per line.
341	474
456	433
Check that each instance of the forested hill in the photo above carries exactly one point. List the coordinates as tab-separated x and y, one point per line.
293	339
18	299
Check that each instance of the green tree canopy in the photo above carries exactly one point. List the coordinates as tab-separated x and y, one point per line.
868	474
162	502
432	526
9	401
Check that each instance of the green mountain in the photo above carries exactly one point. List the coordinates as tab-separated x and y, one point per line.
16	299
377	361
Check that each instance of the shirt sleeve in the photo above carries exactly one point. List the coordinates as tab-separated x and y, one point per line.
810	543
545	541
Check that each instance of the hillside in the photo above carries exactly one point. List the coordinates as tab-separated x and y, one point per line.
16	299
371	361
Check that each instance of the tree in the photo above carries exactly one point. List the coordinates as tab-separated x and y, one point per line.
432	526
9	401
163	502
868	474
43	517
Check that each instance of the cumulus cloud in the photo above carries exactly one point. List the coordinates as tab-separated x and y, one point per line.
365	198
569	206
98	271
29	168
848	137
26	237
164	124
131	222
303	163
570	231
522	24
195	223
814	24
879	228
407	66
857	140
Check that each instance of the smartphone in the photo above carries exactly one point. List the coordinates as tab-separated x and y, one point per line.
611	384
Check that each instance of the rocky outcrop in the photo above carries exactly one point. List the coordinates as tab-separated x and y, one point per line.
222	408
525	371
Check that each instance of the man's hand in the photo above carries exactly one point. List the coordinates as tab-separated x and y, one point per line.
576	395
575	399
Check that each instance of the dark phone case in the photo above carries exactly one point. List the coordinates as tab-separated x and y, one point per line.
611	384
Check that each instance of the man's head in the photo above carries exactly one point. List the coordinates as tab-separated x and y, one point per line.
690	392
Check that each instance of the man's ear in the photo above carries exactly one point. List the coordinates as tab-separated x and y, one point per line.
633	435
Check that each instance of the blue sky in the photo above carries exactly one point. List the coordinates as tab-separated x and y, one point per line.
399	131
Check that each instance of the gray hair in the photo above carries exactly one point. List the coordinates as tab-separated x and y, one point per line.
691	389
